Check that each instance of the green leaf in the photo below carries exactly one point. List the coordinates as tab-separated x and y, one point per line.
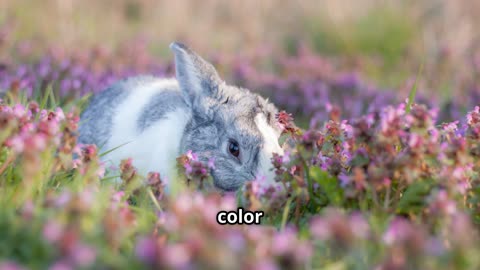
413	91
285	213
111	150
413	199
46	96
329	185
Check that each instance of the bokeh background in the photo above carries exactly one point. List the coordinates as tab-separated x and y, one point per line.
383	39
308	56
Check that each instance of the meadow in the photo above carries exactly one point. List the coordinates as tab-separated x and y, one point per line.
381	130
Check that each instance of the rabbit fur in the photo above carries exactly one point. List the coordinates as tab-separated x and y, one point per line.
154	120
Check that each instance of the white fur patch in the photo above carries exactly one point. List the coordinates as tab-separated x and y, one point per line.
154	149
270	146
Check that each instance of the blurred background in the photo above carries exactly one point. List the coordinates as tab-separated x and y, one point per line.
384	42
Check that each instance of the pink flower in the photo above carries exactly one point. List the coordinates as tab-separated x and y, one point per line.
347	129
100	171
176	256
286	157
235	241
117	196
83	255
344	179
211	163
36	142
61	265
188	168
320	228
399	230
77	163
16	143
473	117
7	265
52	231
59	115
282	241
415	141
184	203
265	264
19	110
359	225
146	250
63	199
192	156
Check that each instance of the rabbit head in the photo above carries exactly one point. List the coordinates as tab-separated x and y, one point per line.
230	124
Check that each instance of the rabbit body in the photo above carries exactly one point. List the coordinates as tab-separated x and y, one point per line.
154	120
142	118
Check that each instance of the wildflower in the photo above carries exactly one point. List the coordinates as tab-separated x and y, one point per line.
146	250
441	203
156	183
117	196
265	264
53	231
19	110
473	117
192	156
285	123
8	265
128	171
211	163
83	255
282	241
176	255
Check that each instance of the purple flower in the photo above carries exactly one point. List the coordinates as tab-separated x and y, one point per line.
53	231
282	241
176	256
344	179
265	264
61	265
211	163
188	168
8	265
146	250
83	255
192	156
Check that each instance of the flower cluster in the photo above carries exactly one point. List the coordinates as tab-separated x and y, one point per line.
306	84
381	154
369	185
188	236
195	172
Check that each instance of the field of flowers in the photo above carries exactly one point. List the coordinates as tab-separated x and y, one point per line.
372	179
380	108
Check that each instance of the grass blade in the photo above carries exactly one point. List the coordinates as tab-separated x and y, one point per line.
413	91
113	149
46	95
285	213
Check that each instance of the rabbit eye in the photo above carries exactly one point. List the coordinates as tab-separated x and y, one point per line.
233	148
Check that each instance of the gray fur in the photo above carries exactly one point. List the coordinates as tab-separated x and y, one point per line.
161	104
208	135
220	113
96	119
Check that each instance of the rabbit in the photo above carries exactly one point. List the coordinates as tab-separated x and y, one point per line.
155	120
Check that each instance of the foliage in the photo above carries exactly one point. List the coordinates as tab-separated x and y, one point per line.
364	185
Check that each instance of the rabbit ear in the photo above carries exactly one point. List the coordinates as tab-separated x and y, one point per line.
197	78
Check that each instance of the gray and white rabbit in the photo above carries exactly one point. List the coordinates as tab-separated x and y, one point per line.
154	120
